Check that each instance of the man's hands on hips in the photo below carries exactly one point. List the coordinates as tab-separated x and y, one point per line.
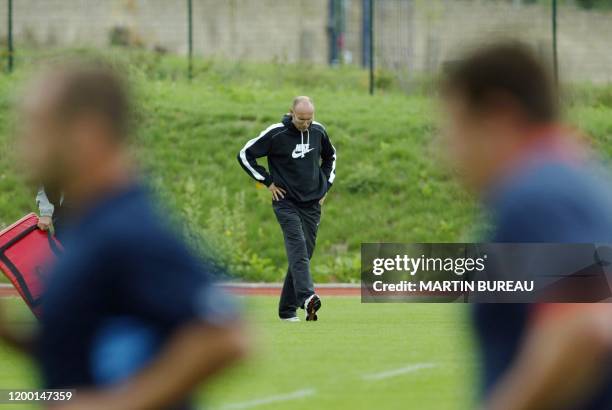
45	223
277	193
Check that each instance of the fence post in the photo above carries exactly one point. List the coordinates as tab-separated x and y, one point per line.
365	33
332	29
9	39
190	38
371	43
554	41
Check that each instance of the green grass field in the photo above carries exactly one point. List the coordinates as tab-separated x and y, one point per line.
391	185
333	358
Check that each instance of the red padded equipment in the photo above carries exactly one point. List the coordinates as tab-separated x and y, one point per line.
26	254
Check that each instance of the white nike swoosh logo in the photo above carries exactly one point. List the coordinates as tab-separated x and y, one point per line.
298	154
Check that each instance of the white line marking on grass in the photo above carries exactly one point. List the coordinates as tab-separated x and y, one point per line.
271	399
398	372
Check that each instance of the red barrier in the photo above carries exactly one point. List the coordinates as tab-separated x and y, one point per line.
26	252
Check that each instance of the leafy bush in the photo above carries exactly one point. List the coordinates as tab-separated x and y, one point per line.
223	235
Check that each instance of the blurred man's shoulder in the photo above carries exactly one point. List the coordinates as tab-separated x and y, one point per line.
132	221
554	203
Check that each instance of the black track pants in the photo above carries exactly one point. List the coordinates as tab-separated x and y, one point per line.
299	225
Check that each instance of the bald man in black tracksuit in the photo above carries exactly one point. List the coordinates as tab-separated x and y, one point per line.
302	168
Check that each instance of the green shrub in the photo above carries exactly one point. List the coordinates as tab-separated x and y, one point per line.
390	184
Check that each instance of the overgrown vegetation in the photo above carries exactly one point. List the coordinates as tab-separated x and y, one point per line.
390	184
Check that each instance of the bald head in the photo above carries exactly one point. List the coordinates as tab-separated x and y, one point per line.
302	100
302	112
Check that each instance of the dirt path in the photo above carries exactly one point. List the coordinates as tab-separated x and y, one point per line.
254	289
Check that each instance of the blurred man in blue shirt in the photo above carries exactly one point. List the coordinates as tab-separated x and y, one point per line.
130	317
536	179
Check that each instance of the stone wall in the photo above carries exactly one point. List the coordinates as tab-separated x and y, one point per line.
413	36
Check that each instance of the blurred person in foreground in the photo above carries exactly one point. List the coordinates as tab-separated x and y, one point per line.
130	317
539	184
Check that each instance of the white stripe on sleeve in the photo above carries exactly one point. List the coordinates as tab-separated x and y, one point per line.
243	157
332	174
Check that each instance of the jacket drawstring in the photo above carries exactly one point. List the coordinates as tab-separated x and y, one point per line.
307	142
305	147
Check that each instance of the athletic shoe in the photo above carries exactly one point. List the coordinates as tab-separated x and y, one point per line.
311	305
290	319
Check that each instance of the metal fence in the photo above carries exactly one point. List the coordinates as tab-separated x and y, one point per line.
402	41
415	38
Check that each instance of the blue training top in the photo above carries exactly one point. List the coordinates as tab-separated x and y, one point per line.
548	201
122	269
